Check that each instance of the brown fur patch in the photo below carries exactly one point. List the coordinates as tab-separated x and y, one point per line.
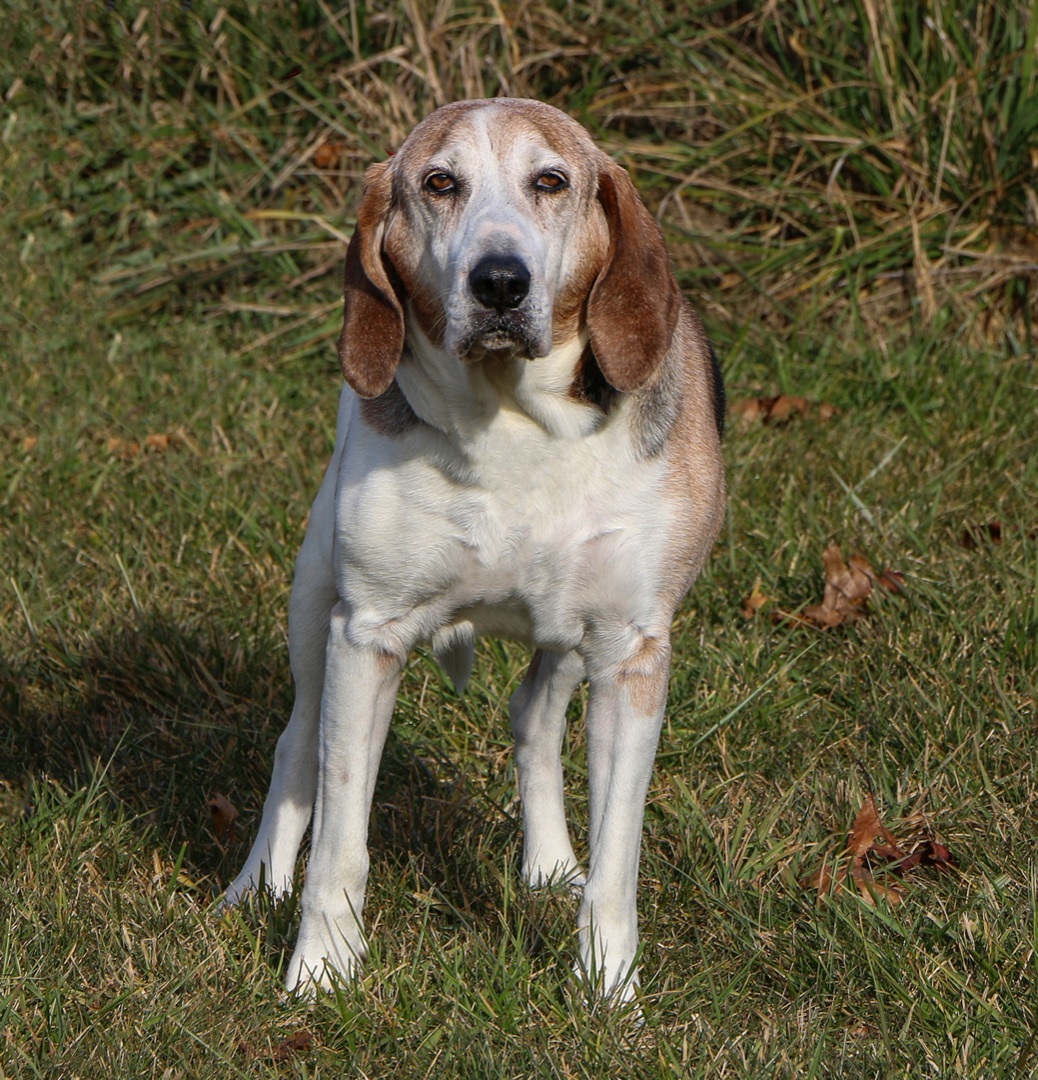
644	677
695	475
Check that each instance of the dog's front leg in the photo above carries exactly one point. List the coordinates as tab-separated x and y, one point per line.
290	801
360	688
625	713
293	786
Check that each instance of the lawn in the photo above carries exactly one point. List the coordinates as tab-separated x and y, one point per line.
849	196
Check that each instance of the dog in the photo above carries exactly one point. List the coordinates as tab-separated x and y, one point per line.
528	445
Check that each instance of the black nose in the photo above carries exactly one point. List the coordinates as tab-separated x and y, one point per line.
500	282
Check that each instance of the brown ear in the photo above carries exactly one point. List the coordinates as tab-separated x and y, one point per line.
372	337
634	303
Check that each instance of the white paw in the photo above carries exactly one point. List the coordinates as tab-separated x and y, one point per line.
608	963
327	949
254	879
565	872
611	985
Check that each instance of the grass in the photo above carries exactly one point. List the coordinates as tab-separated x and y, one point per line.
849	197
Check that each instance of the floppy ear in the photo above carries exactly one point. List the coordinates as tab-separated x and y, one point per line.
372	337
634	303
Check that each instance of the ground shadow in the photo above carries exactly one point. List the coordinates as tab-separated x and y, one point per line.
174	717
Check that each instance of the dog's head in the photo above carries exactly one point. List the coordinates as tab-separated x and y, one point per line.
499	227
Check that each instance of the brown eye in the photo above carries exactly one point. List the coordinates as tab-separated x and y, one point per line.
440	183
551	181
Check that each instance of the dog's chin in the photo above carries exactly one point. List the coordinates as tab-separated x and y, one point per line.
500	342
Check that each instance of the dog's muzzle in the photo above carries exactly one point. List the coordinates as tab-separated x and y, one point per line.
500	285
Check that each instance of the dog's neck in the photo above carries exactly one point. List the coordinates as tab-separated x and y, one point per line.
462	399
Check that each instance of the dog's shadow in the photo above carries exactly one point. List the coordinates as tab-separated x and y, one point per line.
172	717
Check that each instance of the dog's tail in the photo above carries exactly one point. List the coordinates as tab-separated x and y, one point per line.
454	647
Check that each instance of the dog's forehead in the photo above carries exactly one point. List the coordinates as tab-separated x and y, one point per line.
506	128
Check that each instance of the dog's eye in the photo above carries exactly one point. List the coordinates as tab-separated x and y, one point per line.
440	183
551	181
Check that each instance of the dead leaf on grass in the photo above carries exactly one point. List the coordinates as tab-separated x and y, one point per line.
295	1044
975	535
848	586
992	533
128	449
298	1043
872	849
872	846
328	153
158	442
754	602
780	409
124	449
224	817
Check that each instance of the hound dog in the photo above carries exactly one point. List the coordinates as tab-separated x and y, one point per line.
528	445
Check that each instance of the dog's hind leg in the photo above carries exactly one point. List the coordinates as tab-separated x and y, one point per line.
538	716
293	785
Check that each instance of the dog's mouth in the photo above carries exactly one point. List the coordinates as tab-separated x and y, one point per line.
500	334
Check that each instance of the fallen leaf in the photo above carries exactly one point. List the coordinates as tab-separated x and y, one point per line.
754	602
928	854
295	1044
328	153
848	586
158	442
891	581
780	409
867	829
126	449
224	817
872	848
867	854
748	410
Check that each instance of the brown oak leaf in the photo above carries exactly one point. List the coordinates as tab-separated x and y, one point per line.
872	849
848	586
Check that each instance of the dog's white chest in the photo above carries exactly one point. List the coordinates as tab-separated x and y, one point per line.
531	536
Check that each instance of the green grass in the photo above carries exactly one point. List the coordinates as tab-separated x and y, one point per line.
171	267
